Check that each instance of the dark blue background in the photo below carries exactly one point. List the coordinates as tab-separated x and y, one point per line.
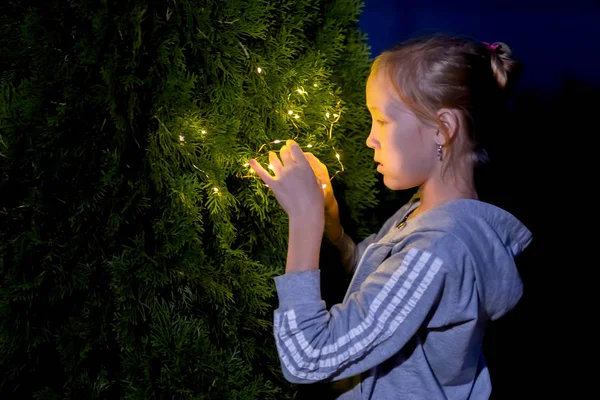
551	40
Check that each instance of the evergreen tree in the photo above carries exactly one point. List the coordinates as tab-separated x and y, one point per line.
137	250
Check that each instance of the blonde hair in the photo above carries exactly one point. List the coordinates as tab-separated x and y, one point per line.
441	71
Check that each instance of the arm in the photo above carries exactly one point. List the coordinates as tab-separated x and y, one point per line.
377	321
351	252
344	243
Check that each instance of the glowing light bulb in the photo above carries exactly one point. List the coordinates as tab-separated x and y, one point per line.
277	141
216	190
327	115
290	112
203	131
300	91
259	70
324	186
296	116
181	138
309	145
315	85
337	156
246	164
270	166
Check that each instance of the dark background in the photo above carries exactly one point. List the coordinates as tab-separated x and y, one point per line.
553	39
535	171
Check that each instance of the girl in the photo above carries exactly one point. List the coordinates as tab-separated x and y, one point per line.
411	325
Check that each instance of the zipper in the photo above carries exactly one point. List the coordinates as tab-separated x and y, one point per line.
398	226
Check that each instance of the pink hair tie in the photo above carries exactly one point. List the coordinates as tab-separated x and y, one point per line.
491	47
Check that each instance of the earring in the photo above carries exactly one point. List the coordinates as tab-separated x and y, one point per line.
439	152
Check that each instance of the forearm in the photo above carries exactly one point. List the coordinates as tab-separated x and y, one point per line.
304	245
335	233
333	227
347	249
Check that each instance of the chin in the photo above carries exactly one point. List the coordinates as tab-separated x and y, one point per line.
392	184
397	184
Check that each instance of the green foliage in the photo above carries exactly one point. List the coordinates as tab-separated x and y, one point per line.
137	251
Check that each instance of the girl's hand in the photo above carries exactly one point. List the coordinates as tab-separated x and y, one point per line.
322	174
295	185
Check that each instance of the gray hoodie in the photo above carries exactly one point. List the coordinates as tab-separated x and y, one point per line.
412	322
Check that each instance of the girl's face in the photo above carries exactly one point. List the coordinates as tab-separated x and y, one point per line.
404	147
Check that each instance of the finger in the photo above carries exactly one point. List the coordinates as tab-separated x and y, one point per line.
286	156
310	157
275	163
260	171
297	153
319	172
289	143
319	181
318	166
324	169
312	160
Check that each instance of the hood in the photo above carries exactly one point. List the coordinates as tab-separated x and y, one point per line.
494	238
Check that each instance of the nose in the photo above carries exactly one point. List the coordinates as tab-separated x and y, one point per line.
371	141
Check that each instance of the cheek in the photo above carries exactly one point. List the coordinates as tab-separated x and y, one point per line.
407	152
399	144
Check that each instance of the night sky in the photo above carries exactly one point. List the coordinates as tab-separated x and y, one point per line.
551	40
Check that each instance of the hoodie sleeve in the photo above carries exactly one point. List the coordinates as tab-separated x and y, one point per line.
315	344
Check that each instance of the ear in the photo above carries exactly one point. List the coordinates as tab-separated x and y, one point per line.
450	122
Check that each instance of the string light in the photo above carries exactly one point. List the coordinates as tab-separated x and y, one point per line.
336	119
329	129
270	166
296	116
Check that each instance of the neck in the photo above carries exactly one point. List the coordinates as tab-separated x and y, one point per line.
437	190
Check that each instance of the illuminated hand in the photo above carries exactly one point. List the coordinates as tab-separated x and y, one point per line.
322	174
294	184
